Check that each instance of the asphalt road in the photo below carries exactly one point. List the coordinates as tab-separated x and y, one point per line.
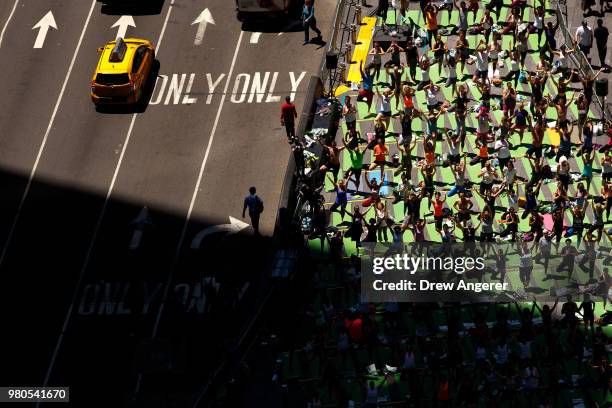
85	302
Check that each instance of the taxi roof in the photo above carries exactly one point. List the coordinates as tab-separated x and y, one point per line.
105	66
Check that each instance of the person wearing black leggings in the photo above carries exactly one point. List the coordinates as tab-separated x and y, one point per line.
382	10
557	231
511	220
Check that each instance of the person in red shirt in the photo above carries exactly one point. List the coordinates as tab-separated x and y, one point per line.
353	325
438	205
288	115
380	156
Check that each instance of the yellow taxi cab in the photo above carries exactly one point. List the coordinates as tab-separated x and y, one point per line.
122	72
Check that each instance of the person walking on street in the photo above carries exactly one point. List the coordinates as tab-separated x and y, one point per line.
288	115
309	21
255	206
601	39
584	38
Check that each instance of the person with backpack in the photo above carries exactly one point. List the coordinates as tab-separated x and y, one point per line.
255	206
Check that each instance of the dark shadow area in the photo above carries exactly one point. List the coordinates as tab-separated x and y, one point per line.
118	291
142	105
132	7
595	13
319	42
537	291
273	25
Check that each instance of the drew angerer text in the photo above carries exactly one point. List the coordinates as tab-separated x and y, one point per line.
425	285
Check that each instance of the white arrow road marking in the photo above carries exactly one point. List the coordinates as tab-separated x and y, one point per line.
140	222
44	24
8	20
123	23
255	38
202	20
233	227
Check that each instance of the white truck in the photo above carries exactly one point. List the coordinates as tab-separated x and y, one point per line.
265	9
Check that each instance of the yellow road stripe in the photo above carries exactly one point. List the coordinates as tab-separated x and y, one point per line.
360	53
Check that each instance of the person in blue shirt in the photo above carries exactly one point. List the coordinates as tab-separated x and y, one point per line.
521	117
586	138
587	169
309	21
255	207
366	93
341	198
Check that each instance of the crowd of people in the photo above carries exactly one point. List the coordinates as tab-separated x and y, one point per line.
455	355
479	130
540	155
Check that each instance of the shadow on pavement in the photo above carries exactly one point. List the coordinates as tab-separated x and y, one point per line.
132	7
286	25
136	278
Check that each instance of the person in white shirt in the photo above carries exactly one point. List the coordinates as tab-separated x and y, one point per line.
502	146
543	252
509	175
433	96
488	175
513	199
482	61
525	266
538	23
384	106
584	38
562	56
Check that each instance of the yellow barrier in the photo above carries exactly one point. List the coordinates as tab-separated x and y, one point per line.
361	48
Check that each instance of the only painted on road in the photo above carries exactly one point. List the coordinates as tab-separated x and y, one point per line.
257	87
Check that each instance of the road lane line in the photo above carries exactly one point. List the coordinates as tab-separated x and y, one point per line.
255	38
191	205
44	141
197	187
8	20
190	211
99	221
